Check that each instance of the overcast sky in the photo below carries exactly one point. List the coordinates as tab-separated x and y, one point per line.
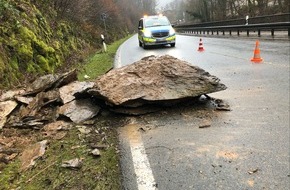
162	3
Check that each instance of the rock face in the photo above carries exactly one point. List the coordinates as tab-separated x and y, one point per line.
154	79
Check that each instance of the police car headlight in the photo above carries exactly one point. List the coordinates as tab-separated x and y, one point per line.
147	33
171	31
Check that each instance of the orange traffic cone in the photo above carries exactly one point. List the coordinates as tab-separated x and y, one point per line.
257	58
200	47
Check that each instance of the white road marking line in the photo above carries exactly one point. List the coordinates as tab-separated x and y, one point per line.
117	61
144	175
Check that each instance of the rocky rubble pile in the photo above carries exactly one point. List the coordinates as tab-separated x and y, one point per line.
163	80
141	87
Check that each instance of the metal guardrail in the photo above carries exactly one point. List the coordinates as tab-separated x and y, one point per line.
264	23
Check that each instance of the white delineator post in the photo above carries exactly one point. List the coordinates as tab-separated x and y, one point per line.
103	42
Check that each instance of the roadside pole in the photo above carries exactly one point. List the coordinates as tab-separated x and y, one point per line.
104	43
103	18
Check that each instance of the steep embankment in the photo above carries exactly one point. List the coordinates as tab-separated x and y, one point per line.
32	43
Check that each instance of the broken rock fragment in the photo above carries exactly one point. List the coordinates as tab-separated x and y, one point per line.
205	123
42	99
154	79
5	109
56	129
79	110
73	163
96	152
67	92
49	81
9	95
31	153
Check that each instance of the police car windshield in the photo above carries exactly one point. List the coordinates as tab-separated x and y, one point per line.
156	21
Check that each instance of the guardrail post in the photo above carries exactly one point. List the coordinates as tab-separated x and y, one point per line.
259	32
238	32
248	32
272	32
212	32
288	31
223	32
230	32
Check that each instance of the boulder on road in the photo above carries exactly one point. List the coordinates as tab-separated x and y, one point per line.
154	79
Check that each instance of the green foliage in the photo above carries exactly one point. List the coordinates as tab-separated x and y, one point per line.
6	7
29	43
25	53
42	62
2	65
34	41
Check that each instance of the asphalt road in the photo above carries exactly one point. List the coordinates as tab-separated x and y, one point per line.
245	148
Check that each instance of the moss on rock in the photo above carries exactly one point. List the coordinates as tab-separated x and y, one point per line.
33	42
43	62
25	53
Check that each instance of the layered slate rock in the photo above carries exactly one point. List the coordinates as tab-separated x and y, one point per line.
51	81
79	110
154	79
5	109
68	92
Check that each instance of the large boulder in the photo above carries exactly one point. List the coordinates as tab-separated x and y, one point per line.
154	79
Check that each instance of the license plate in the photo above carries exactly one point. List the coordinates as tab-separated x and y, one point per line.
160	40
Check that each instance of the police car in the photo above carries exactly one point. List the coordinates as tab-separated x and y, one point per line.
155	30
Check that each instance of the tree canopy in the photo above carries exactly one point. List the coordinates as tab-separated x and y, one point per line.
216	10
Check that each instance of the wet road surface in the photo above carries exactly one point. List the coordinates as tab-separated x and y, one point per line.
246	148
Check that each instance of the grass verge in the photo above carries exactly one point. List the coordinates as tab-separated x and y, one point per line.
101	62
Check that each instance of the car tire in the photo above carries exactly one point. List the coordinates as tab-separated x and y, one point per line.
140	44
172	45
144	46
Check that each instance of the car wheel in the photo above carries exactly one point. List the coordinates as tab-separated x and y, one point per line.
172	45
144	46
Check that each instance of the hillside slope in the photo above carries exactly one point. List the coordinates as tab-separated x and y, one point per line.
35	42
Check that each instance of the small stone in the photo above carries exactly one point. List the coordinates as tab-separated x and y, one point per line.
96	152
205	124
73	164
84	130
253	171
